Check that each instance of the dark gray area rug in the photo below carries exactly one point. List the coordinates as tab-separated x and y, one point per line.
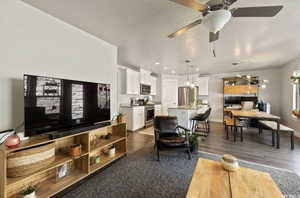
139	175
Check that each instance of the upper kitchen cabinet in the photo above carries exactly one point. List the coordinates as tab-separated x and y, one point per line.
145	77
148	79
203	86
129	81
153	81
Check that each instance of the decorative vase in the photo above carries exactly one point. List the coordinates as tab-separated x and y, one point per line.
13	141
111	152
120	118
97	160
75	150
31	195
229	162
194	148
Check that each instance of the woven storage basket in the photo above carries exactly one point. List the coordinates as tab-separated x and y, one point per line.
28	161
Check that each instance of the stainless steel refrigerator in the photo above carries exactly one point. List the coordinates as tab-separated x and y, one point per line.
188	96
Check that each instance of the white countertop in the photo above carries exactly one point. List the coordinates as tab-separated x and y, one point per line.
134	106
190	108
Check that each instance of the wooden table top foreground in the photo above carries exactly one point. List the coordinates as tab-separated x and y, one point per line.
210	180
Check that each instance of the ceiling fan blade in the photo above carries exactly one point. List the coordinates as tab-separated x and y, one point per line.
267	11
185	28
213	37
191	4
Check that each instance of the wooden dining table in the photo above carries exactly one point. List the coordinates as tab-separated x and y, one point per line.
258	115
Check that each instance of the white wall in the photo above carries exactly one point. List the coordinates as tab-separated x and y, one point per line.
270	94
287	96
34	42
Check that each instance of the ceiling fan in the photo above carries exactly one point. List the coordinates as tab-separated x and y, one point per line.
216	14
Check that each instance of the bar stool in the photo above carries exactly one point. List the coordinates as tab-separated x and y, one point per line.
201	119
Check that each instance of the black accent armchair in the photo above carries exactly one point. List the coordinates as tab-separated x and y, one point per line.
169	135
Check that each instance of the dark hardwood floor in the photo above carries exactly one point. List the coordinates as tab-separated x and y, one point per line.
255	148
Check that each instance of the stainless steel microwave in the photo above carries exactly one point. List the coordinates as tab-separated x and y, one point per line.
145	89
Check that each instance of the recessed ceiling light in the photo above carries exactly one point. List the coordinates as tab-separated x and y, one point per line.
165	68
157	63
173	71
197	69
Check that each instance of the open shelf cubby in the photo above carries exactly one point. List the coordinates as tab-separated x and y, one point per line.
93	143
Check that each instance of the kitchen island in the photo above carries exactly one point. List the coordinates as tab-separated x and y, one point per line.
184	114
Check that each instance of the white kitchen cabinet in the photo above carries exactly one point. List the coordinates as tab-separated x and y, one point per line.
203	86
132	82
129	81
134	117
153	85
157	110
145	77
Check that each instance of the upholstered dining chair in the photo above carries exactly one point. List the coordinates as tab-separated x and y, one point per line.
169	135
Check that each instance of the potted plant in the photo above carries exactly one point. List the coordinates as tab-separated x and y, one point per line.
193	141
112	151
120	118
108	136
29	192
295	79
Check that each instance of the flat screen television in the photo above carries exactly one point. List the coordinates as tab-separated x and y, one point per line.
53	104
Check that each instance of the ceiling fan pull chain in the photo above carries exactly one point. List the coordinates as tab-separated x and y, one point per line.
213	48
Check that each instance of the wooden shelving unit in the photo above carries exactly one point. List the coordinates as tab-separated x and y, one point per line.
106	143
44	179
234	87
105	160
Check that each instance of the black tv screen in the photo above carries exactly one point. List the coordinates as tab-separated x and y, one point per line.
53	104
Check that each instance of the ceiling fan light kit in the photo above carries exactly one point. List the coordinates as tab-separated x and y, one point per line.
216	20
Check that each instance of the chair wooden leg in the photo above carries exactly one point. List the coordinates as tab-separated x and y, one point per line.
292	141
227	132
242	138
234	133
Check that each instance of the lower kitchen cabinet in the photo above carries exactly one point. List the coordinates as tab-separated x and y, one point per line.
134	117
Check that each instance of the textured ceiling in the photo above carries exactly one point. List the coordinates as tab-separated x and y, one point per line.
140	28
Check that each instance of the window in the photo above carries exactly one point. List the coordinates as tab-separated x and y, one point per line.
295	79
